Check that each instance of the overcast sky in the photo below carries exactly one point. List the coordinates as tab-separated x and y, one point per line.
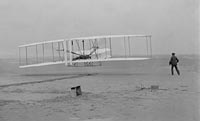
173	24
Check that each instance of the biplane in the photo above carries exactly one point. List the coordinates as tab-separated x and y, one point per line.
85	51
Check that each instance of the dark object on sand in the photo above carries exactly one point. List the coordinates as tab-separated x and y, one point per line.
76	90
154	87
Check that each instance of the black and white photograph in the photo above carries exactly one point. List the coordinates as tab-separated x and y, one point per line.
99	60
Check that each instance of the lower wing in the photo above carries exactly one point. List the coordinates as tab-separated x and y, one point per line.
85	61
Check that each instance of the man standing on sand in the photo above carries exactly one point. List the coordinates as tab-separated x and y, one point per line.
173	62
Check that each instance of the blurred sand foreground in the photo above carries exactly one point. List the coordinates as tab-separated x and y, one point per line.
118	92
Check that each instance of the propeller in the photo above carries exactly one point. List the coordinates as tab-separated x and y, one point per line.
69	52
73	52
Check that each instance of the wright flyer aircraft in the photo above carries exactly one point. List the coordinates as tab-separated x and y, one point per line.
85	51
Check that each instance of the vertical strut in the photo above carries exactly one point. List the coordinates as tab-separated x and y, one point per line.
83	47
129	46
72	48
19	57
59	51
43	51
90	43
70	51
105	47
77	43
36	53
95	42
110	46
132	47
147	46
125	46
65	51
53	51
26	56
150	46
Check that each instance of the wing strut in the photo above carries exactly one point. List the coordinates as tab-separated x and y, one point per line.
129	46
43	51
94	47
78	46
125	46
70	50
105	48
65	51
83	47
19	57
147	46
90	43
36	53
110	47
59	51
52	51
26	56
150	46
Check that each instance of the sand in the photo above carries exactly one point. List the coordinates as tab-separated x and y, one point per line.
118	91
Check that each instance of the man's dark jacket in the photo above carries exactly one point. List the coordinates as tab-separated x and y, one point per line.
173	61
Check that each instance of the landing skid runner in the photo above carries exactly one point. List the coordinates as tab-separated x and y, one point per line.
86	64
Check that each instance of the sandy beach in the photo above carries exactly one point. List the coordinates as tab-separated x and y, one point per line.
116	91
